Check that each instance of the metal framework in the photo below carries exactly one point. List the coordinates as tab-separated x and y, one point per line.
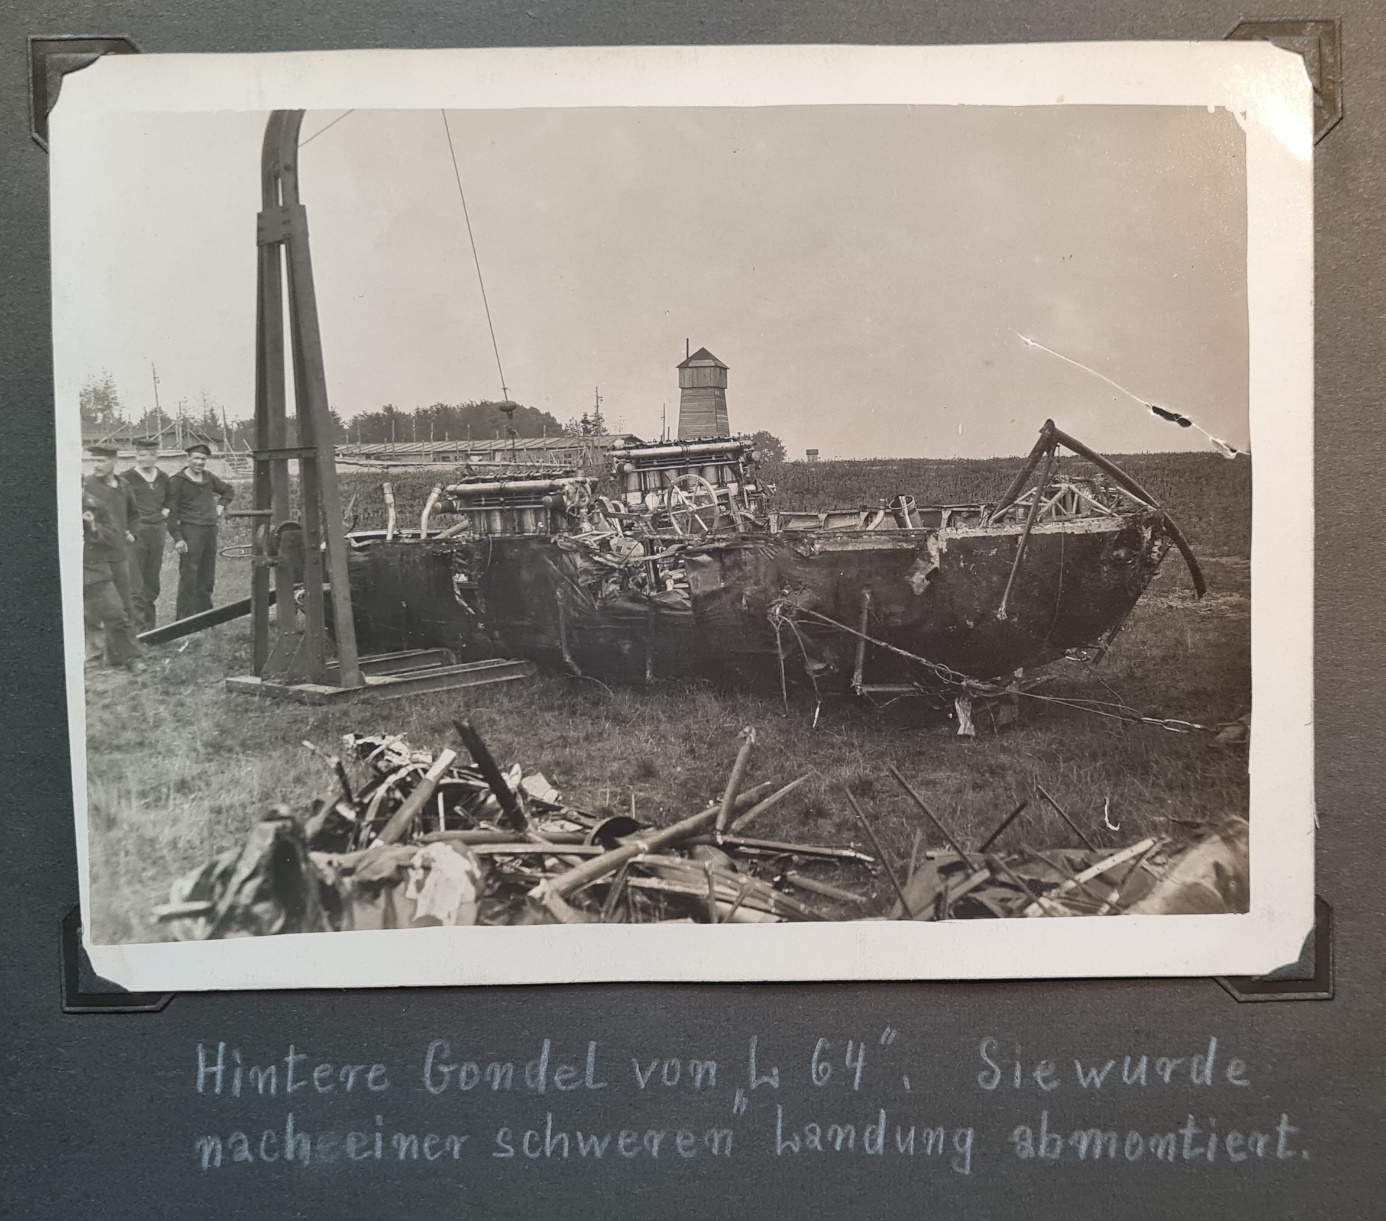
1050	439
291	654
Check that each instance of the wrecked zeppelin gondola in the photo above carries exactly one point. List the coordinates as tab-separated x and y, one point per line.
688	569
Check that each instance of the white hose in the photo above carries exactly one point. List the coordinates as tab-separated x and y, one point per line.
433	498
390	519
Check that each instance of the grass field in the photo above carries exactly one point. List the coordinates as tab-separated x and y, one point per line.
179	769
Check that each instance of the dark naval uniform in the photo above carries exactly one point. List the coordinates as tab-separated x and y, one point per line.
147	551
103	612
115	496
192	519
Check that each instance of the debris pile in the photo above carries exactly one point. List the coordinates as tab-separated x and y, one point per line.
1156	876
429	840
426	840
1203	872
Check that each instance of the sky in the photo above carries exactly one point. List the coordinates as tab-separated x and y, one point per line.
864	271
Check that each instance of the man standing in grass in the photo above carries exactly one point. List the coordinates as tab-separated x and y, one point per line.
150	488
108	631
196	501
113	494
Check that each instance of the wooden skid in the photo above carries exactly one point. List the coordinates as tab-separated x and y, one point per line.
387	686
405	661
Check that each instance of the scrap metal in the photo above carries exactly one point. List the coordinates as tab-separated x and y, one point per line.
426	839
410	839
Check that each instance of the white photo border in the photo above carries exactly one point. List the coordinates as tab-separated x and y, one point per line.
1267	89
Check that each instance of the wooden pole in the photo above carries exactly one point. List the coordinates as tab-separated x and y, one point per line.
271	489
1044	443
591	871
553	893
413	805
827	890
200	621
929	814
1030	520
859	669
880	853
481	754
1005	822
1073	826
743	758
774	799
310	395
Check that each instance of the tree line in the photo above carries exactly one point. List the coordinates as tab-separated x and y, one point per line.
104	415
479	421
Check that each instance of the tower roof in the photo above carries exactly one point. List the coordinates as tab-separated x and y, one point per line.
702	357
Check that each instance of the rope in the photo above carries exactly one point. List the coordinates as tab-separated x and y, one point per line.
956	678
457	173
1129	715
808	669
943	673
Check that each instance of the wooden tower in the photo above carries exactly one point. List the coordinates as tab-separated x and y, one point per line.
703	397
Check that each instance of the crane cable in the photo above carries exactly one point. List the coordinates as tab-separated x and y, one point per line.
457	173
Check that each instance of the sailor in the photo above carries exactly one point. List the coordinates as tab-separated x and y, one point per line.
107	625
113	494
196	501
150	488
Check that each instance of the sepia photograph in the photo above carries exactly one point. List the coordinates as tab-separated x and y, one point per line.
656	514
